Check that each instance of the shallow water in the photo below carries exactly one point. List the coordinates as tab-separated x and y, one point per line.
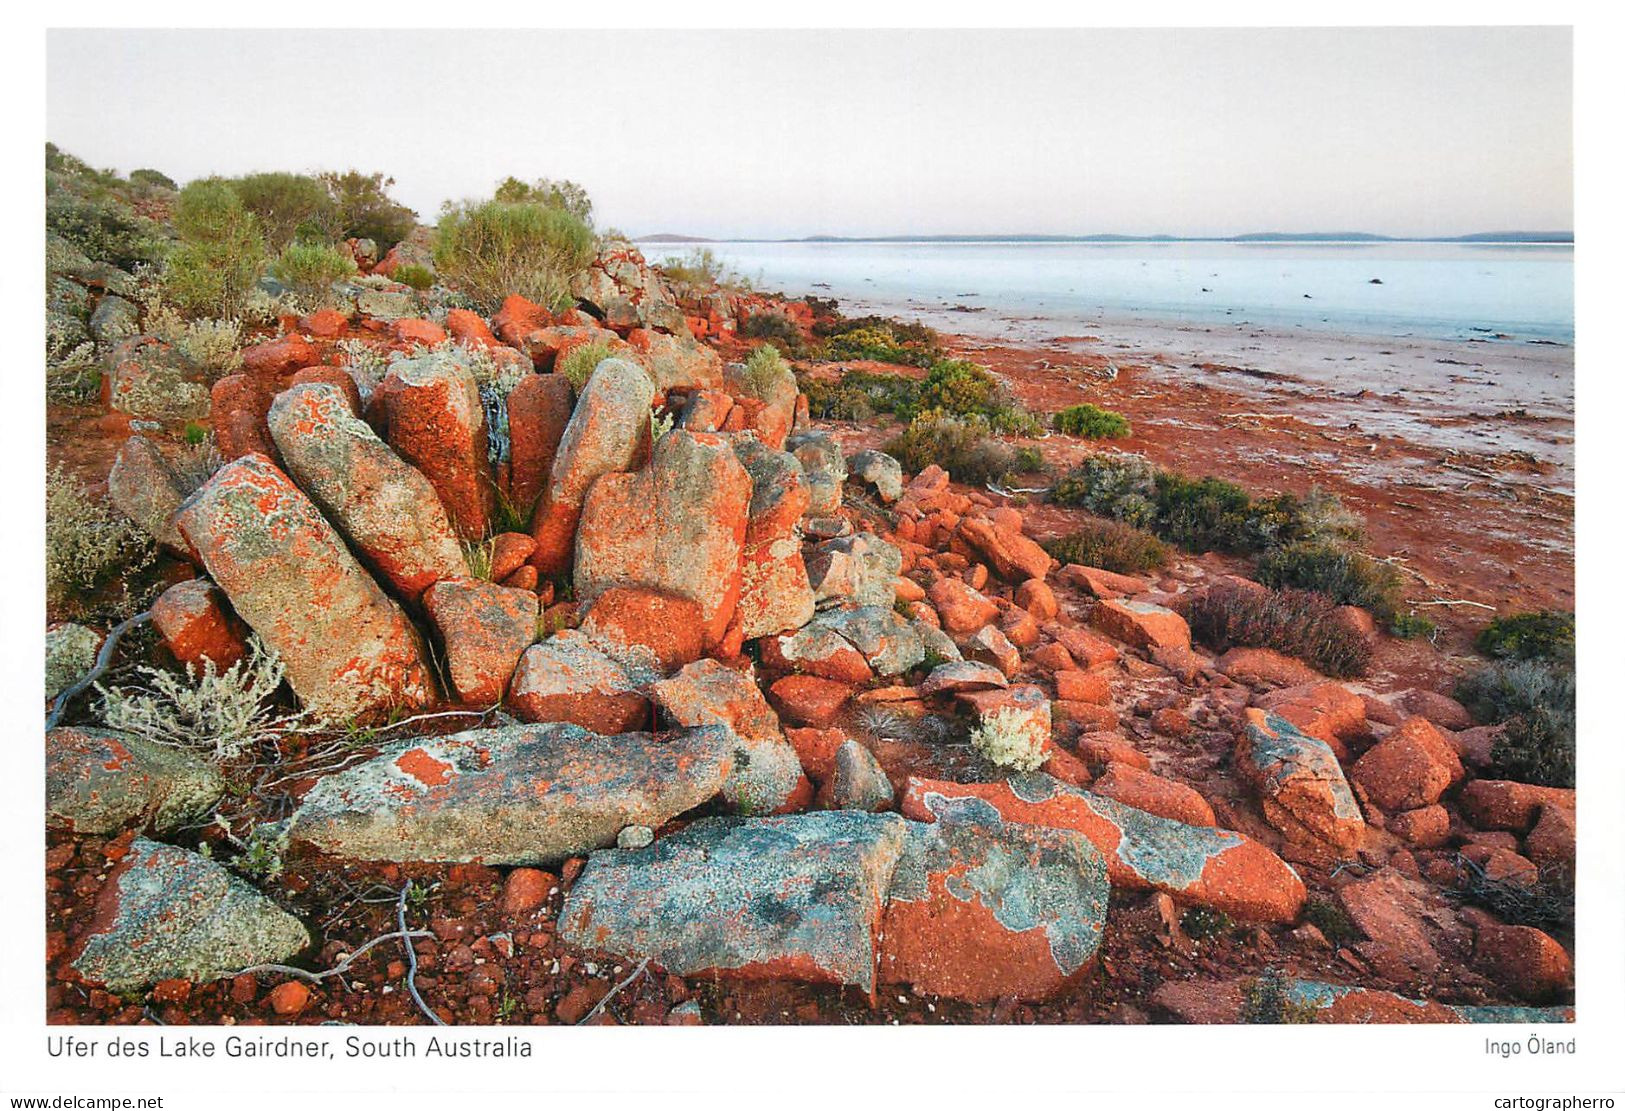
1426	290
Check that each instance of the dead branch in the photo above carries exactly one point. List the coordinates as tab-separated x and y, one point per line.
104	659
642	967
412	959
338	969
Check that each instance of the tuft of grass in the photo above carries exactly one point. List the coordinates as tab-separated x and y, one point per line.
1267	1002
1299	623
1544	635
309	269
767	375
1412	626
1111	546
579	363
478	557
1092	423
491	249
418	277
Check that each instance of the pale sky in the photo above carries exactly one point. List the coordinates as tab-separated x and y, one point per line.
1413	131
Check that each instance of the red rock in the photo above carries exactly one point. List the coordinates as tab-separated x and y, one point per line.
1410	768
988	645
198	626
324	324
1525	960
1300	787
1328	712
539	409
1504	804
568	678
1141	624
1441	710
1142	790
469	328
1103	584
237	407
280	356
816	749
677	526
525	578
526	889
413	331
670	627
963	610
1426	827
289	998
509	551
1015	557
1019	627
1392	911
172	991
1036	597
1083	686
485	628
1086	715
347	648
1083	646
1266	665
1171	722
1067	768
1550	844
815	650
332	376
808	699
1051	657
516	320
435	420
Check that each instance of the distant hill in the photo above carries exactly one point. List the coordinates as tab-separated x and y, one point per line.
1248	237
666	237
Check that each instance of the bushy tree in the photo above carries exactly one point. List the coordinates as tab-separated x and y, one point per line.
365	210
222	254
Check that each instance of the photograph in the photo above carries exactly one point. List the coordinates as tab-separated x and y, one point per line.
1019	528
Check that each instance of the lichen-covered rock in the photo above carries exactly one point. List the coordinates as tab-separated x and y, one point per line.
433	417
148	380
825	467
790	898
963	608
385	507
70	653
1410	768
767	778
167	913
677	525
539	409
146	489
1201	1001
101	781
1211	867
887	641
607	428
860	570
856	781
668	627
237	407
982	909
1015	726
347	648
1165	798
879	470
485	629
520	794
676	361
1012	556
568	677
774	591
816	649
1141	624
1504	804
198	627
1300	786
963	675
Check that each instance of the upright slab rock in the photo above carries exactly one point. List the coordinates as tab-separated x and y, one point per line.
608	427
101	781
678	526
347	648
434	419
485	628
170	914
385	507
146	489
1300	788
767	777
521	794
774	592
539	410
1210	867
798	897
980	908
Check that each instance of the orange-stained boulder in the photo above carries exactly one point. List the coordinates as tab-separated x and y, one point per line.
197	625
1410	768
1141	624
569	678
669	627
337	377
1087	649
412	331
963	609
1015	557
434	419
808	699
1036	597
774	592
237	407
1525	960
1142	790
539	409
1506	804
349	651
1300	788
485	628
281	356
469	328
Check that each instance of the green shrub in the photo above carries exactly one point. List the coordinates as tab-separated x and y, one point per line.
1092	423
1029	460
767	375
288	207
310	269
1201	923
859	395
1203	514
492	249
1299	623
418	277
963	447
1412	626
579	363
1333	922
1546	635
154	178
1115	486
776	327
1111	546
104	228
1267	1001
365	209
221	256
561	194
1535	701
1347	577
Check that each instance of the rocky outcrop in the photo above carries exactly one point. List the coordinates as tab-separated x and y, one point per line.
522	794
568	677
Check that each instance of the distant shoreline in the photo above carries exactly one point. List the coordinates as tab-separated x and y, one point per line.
1499	238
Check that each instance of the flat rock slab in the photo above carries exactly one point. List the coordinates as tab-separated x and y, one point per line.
1195	864
522	794
796	897
568	677
981	908
1300	786
101	781
168	914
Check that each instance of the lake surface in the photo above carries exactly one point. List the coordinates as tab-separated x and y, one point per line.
1436	290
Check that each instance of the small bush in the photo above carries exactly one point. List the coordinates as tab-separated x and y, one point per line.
418	277
776	328
492	249
859	395
562	194
221	715
963	448
1535	701
153	178
767	375
1332	921
288	207
1201	923
579	363
1116	486
87	543
1205	513
1546	904
1347	577
1092	423
1546	635
1299	623
1268	1002
1111	546
1003	740
221	256
960	388
103	227
309	269
1412	626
